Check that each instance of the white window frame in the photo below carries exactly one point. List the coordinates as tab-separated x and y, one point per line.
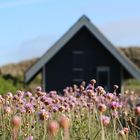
77	80
77	69
44	78
77	52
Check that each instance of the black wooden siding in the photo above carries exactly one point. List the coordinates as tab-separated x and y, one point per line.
59	70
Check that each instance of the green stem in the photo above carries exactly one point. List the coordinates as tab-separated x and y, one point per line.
44	135
102	132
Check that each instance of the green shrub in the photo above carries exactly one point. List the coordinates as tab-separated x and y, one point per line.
8	86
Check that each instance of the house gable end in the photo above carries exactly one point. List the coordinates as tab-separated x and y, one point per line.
72	31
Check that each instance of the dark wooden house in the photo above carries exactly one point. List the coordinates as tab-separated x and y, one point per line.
83	53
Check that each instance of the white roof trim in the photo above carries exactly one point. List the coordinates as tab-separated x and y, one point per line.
83	21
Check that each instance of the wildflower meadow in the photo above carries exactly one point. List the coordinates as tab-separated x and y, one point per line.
83	112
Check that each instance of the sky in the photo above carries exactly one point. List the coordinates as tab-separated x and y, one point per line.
29	27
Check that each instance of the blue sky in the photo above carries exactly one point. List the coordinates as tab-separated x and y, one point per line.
29	27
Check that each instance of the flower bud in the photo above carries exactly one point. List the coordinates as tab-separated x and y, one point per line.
137	110
124	132
93	81
16	121
64	122
53	128
121	133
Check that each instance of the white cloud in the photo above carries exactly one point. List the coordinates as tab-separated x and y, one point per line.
16	3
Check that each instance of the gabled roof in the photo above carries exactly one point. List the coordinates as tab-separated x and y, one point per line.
82	22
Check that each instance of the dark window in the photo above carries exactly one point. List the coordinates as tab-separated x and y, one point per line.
77	75
78	59
103	77
78	66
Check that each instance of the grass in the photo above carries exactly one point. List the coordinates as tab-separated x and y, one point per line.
132	85
8	86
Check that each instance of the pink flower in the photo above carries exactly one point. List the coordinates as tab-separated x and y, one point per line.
137	110
48	101
29	108
30	138
55	109
120	105
90	92
109	96
1	99
16	98
105	120
61	108
115	114
52	93
114	105
100	90
43	115
9	95
20	93
38	89
27	94
102	107
93	81
7	110
90	87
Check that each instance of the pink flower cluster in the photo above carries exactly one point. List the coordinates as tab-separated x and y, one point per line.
74	99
